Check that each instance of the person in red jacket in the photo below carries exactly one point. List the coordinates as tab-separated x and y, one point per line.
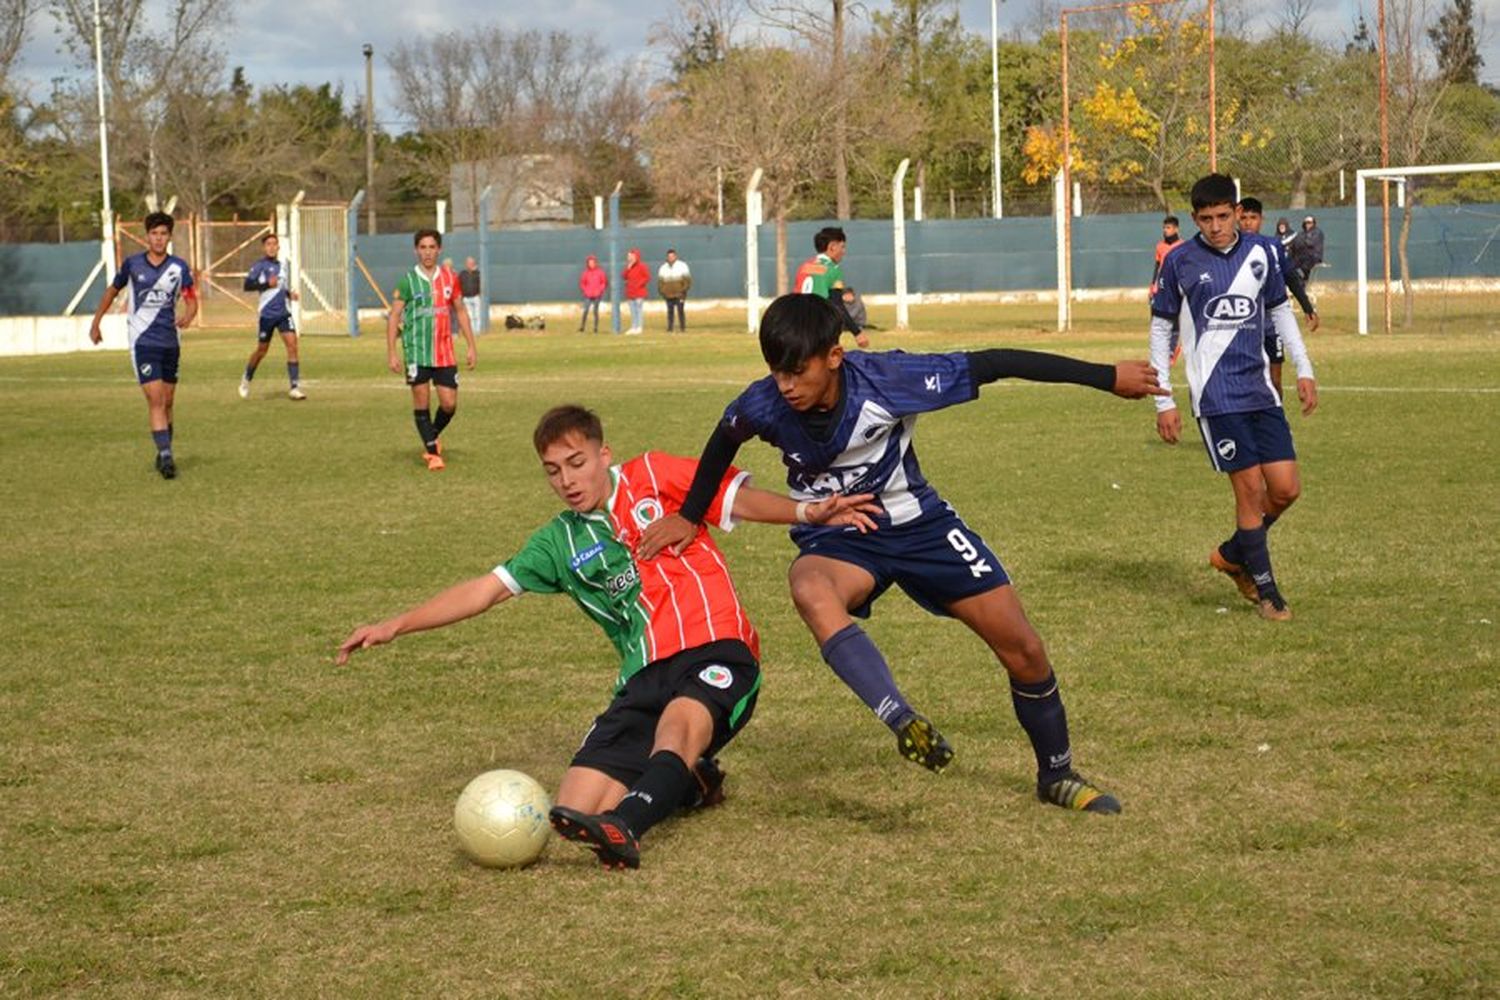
592	283
637	284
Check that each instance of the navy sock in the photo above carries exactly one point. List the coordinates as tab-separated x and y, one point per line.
1230	550
1269	520
292	369
170	432
163	441
859	665
441	419
249	372
424	429
658	793
1039	709
1257	559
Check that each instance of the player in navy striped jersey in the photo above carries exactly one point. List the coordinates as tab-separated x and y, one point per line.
844	424
269	277
155	281
1222	287
1252	214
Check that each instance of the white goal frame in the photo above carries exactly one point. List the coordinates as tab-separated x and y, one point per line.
1361	266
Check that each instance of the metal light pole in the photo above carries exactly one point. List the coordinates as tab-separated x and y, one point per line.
369	51
107	245
995	99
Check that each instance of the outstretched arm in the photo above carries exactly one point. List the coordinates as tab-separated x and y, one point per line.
464	600
1129	379
676	530
1291	339
751	504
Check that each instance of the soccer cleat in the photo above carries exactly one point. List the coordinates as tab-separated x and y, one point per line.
166	466
244	389
434	461
295	392
1074	791
918	740
1235	572
709	789
1274	609
604	834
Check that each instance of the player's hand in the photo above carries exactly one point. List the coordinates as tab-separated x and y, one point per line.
295	297
671	532
95	334
363	638
1307	391
1169	425
1134	379
862	340
394	363
1312	323
183	322
472	358
852	510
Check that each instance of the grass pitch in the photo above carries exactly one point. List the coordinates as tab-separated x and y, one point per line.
194	801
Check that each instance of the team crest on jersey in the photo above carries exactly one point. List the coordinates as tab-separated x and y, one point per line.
1230	306
1226	449
646	511
716	676
1258	268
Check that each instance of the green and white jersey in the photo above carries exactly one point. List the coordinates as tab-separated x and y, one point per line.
427	317
819	275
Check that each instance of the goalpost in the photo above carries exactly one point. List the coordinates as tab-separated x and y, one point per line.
1451	231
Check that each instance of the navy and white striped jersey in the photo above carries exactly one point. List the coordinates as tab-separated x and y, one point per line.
1221	301
273	301
870	450
151	316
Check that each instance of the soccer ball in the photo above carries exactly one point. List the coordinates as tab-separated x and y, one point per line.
501	819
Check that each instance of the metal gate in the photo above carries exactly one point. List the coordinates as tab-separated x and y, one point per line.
320	236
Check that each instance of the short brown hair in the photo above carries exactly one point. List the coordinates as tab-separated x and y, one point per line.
437	236
560	421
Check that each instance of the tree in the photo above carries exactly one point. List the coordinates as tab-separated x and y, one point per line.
1458	57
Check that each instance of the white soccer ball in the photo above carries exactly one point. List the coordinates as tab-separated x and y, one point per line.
501	819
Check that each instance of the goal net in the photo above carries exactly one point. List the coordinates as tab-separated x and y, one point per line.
1432	263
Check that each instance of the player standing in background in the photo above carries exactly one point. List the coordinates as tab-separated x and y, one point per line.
1169	239
823	274
844	424
1221	287
422	310
689	673
1252	215
269	277
156	280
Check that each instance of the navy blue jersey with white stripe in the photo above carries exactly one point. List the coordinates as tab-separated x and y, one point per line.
151	317
870	450
273	301
1220	300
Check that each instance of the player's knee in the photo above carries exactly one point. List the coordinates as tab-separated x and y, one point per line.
810	591
1283	495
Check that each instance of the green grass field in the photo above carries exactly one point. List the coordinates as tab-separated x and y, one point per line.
194	801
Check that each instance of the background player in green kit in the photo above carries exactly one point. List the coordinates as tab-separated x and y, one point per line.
823	274
423	306
689	671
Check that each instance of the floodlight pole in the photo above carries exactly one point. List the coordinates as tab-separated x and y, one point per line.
369	51
995	101
1213	102
107	217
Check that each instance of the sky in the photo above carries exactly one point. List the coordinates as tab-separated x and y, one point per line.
317	41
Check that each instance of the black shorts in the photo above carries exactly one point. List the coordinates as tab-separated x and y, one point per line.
446	376
270	325
723	676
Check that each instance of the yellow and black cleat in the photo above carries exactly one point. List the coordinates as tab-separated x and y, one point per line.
919	741
1074	791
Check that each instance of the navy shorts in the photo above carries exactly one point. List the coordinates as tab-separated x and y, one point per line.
723	676
446	376
153	363
269	326
936	559
1238	441
1274	350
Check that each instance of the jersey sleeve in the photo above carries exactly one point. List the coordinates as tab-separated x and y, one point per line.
918	383
672	475
402	290
746	416
122	276
187	275
1274	286
1166	302
534	567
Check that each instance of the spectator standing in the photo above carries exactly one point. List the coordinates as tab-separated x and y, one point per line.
1284	232
637	286
468	288
592	283
1170	237
1306	250
673	279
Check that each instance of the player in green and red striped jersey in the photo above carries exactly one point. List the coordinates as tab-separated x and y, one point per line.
689	671
422	309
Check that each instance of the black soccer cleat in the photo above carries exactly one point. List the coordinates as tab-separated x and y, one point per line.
1074	791
918	740
166	466
604	834
708	788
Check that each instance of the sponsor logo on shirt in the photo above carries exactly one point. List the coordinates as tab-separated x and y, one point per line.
717	676
589	553
1230	306
621	582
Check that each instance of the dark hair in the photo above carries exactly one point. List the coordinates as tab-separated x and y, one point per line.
423	233
560	421
159	219
1170	220
268	236
1215	189
827	235
1252	205
797	328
